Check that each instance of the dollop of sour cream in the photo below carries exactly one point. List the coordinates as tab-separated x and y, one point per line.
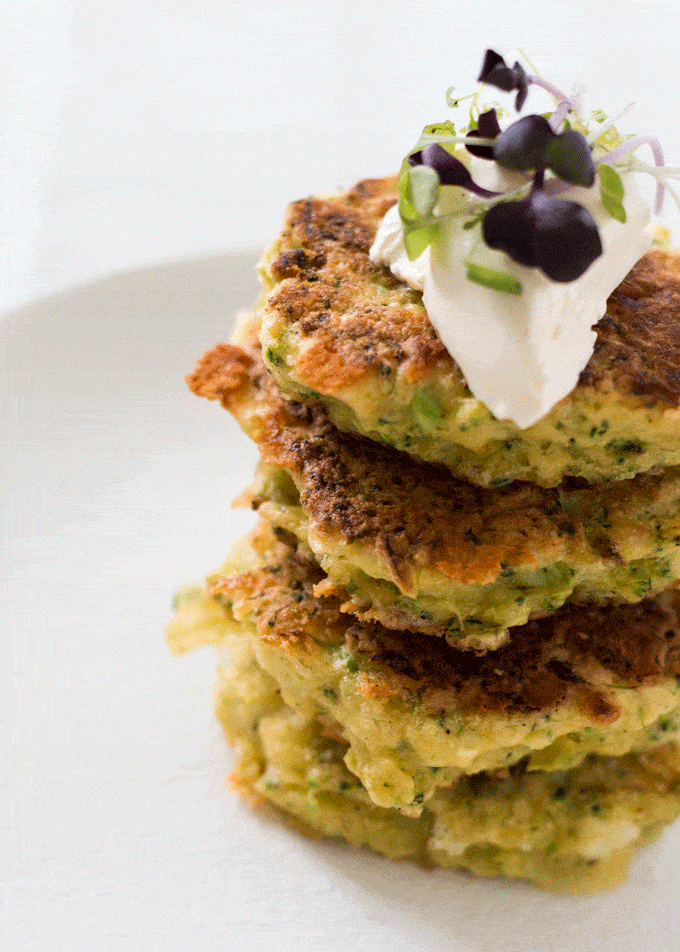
520	354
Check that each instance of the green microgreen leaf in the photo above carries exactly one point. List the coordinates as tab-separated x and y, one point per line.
424	187
475	220
442	129
611	192
416	240
406	210
497	280
418	232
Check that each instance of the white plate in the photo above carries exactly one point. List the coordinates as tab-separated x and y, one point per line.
125	836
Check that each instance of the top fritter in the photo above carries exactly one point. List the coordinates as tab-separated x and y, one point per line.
338	329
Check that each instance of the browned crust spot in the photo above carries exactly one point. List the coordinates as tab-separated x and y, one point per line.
574	656
222	373
413	513
298	619
355	319
234	375
638	340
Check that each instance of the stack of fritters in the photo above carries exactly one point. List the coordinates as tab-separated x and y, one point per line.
448	638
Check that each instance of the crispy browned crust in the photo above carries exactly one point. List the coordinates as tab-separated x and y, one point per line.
413	513
281	595
357	319
573	656
638	340
224	370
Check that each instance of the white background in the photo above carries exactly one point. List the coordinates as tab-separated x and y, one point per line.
134	133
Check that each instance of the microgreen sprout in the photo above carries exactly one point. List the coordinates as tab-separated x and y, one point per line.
490	278
611	191
487	128
559	237
450	170
553	153
496	73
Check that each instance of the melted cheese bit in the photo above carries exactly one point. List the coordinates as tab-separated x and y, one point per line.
520	354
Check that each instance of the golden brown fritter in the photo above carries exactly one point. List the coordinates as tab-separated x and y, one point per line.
637	351
571	657
337	329
548	662
323	268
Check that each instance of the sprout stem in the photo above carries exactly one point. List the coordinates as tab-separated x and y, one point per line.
473	140
555	186
453	101
671	171
661	176
560	113
556	93
607	124
564	103
629	146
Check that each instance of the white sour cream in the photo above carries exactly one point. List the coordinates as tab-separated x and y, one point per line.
520	354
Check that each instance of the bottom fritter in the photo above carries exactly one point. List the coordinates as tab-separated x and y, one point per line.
568	831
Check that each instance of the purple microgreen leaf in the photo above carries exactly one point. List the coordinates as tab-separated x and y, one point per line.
568	239
487	128
558	237
494	68
496	73
523	145
568	156
611	192
451	171
522	86
498	280
509	227
530	143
